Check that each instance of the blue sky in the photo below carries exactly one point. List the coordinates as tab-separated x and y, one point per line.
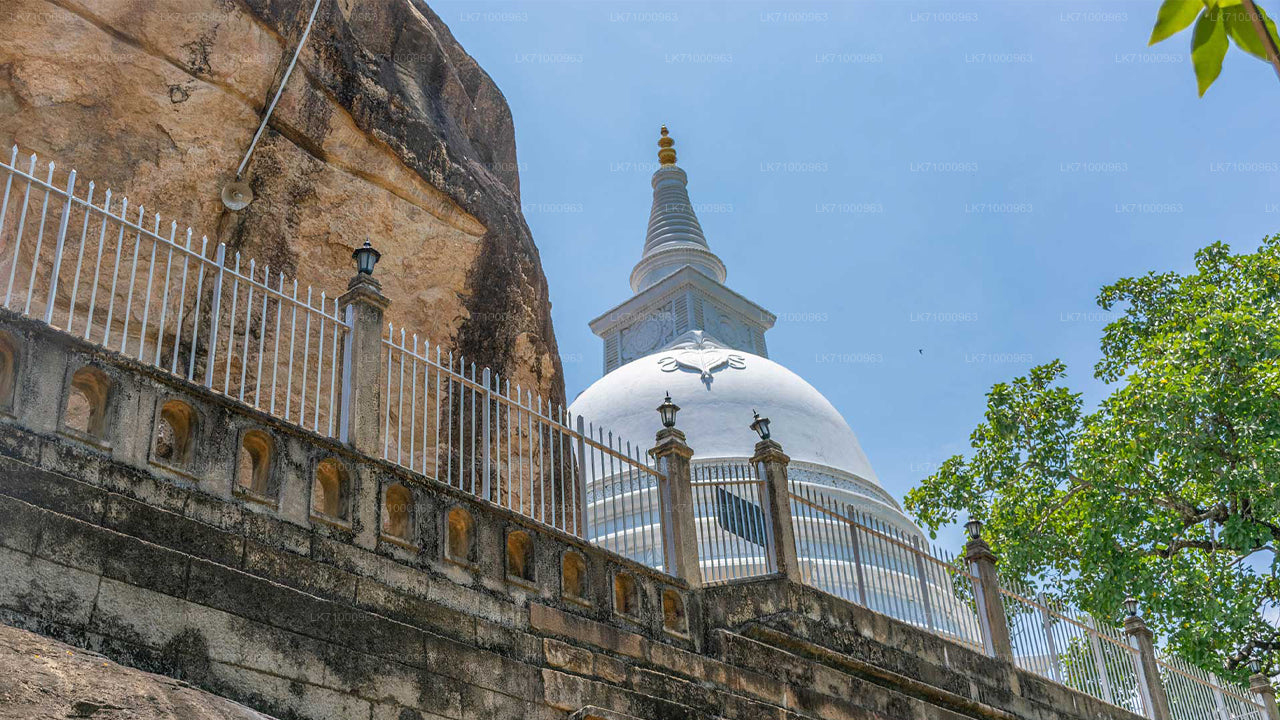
888	177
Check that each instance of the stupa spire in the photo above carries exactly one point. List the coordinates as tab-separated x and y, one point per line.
674	238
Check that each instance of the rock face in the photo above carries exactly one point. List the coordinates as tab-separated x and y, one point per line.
43	678
387	130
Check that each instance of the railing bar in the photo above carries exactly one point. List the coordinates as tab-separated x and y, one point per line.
215	315
400	402
413	399
510	470
386	399
35	258
319	393
182	310
462	425
306	363
195	317
262	339
293	333
471	464
636	513
496	438
437	440
746	550
614	514
248	330
164	296
654	513
449	445
59	245
541	510
97	270
84	234
22	224
133	275
331	411
275	351
146	303
535	450
231	329
11	169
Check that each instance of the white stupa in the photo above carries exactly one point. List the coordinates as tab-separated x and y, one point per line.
684	332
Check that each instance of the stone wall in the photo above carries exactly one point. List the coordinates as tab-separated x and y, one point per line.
254	596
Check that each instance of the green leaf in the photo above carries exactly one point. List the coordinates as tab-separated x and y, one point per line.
1208	46
1245	35
1174	17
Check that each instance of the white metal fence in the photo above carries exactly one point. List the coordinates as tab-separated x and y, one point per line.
102	270
735	538
448	420
1060	643
1070	647
1198	695
854	555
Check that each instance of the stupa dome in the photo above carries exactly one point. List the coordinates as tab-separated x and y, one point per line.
718	389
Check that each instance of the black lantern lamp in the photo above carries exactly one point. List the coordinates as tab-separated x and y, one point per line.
1131	606
973	527
366	257
760	425
1255	666
668	412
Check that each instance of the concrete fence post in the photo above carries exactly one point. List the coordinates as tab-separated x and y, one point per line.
363	305
986	593
771	463
1154	699
1260	685
675	497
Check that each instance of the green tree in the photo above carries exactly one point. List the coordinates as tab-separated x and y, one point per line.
1170	490
1246	24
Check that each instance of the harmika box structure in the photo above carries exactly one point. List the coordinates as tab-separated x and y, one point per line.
193	449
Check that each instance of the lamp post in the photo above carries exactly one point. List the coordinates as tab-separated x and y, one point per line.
667	411
1154	698
760	425
986	592
675	498
1131	606
973	528
363	305
1260	685
366	257
771	467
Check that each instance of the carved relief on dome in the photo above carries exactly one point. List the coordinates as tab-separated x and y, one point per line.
701	355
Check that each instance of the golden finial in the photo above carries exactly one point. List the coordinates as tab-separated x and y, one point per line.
667	153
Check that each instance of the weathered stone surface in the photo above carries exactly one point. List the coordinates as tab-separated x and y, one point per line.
387	129
43	678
